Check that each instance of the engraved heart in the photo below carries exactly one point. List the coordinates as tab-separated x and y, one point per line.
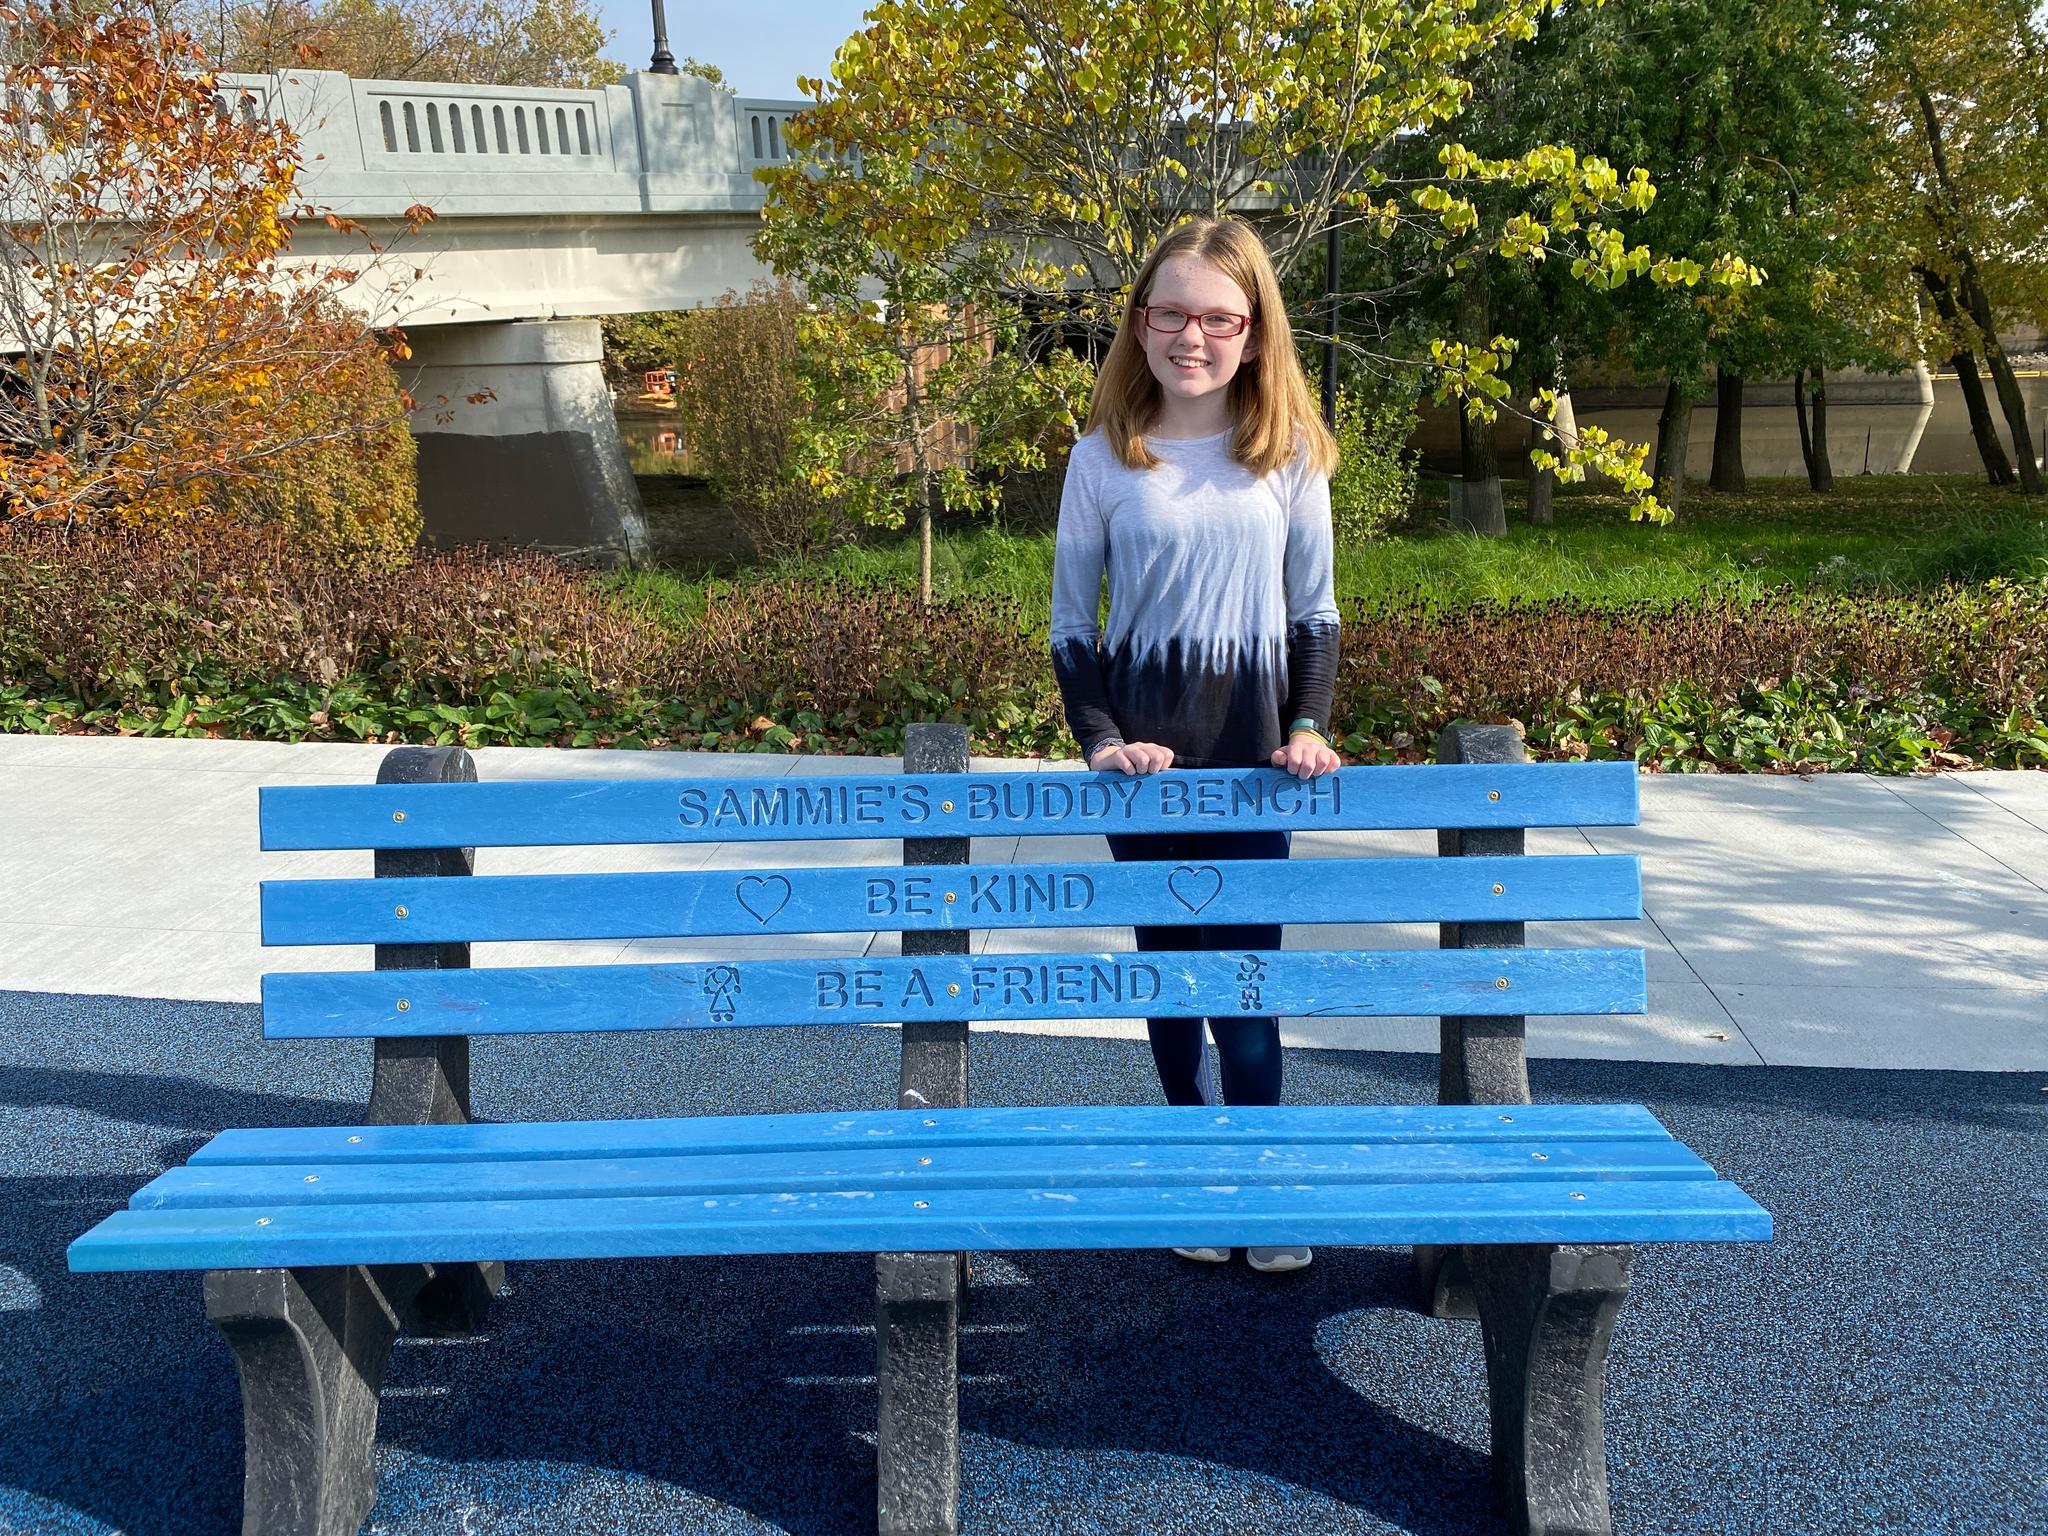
1194	886
763	896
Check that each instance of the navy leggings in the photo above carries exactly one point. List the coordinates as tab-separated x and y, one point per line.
1249	1047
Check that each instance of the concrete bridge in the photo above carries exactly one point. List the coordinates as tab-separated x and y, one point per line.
548	204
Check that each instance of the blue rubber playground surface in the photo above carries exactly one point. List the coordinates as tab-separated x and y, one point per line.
1880	1366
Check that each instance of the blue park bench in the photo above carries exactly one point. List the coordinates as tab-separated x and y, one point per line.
320	1244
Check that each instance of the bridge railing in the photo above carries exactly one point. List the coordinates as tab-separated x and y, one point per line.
652	144
472	126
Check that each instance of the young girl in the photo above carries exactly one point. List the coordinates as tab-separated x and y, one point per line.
1201	483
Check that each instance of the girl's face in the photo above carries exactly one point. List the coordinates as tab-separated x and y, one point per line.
1190	363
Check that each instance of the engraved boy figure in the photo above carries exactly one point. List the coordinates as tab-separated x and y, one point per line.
1250	972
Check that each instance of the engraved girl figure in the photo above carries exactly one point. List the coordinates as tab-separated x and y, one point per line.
722	987
1200	487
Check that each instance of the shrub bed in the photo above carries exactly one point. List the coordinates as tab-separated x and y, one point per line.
236	636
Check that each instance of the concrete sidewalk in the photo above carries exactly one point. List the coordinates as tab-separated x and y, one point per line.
1841	921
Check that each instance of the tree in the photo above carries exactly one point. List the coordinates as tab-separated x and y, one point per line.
1958	91
1836	298
163	344
1740	111
1078	133
635	345
910	352
692	65
485	42
740	406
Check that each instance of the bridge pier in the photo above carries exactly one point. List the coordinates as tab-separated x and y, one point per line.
517	442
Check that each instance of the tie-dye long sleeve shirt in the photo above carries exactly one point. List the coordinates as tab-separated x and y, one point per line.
1222	614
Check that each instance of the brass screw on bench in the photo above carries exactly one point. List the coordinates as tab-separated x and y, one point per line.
398	815
1498	889
945	805
404	1006
401	912
1501	983
1493	794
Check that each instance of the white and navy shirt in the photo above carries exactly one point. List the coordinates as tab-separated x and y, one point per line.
1222	613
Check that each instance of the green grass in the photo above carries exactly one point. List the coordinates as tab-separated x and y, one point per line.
1882	534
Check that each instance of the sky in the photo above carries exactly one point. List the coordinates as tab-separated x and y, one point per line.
762	47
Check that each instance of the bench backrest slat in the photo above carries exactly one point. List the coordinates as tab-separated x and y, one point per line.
952	898
1343	983
831	806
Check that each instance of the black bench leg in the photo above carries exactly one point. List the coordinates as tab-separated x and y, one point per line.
917	1344
1482	1059
311	1346
1547	1313
424	1080
1446	1287
446	1301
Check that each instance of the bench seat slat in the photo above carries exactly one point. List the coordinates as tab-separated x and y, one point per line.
810	807
1294	984
1609	1211
698	902
1060	1167
924	1131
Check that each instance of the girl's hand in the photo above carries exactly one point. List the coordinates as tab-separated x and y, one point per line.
1132	757
1305	756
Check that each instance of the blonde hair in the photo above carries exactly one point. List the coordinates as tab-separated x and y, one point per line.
1269	395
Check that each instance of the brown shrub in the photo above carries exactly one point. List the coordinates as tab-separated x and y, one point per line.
93	606
1495	659
739	400
105	612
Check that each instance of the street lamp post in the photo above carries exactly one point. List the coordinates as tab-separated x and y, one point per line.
1331	253
664	62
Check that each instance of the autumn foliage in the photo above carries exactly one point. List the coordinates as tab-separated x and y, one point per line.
166	361
116	629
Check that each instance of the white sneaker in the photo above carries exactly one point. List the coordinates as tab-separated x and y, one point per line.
1205	1255
1273	1261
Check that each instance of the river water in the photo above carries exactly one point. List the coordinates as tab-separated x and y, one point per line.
653	446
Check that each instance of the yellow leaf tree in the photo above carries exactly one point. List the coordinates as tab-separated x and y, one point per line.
1080	131
162	357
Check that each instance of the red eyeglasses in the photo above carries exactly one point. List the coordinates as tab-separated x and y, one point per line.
1217	322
